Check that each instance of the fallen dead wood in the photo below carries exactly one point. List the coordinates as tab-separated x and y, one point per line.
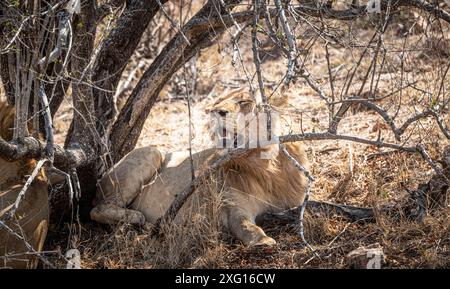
291	216
433	195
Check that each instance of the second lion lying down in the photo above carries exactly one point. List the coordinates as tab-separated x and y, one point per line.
251	185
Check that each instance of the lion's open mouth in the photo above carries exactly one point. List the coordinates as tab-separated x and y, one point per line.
225	138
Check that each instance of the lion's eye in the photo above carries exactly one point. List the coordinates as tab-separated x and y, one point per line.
244	102
221	112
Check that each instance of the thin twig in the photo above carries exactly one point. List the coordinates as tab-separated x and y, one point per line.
291	43
22	192
307	195
49	148
172	22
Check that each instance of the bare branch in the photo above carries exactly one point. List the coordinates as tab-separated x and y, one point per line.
331	136
49	148
114	54
291	43
361	10
431	8
432	164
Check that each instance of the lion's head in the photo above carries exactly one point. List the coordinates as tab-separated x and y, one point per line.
239	120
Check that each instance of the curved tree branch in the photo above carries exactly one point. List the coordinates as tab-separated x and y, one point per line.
114	53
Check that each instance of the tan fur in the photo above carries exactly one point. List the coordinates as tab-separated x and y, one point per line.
31	218
252	185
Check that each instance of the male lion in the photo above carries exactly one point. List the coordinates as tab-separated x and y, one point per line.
251	184
30	221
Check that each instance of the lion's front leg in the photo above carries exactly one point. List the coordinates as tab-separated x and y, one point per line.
242	226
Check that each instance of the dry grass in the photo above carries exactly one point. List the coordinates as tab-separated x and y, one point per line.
345	173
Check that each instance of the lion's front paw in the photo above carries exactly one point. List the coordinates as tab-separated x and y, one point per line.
265	241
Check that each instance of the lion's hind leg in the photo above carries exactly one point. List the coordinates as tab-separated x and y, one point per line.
112	214
121	185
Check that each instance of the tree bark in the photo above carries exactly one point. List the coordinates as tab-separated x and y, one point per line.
114	54
7	82
292	216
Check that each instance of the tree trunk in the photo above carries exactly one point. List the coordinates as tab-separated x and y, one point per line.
114	54
81	132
